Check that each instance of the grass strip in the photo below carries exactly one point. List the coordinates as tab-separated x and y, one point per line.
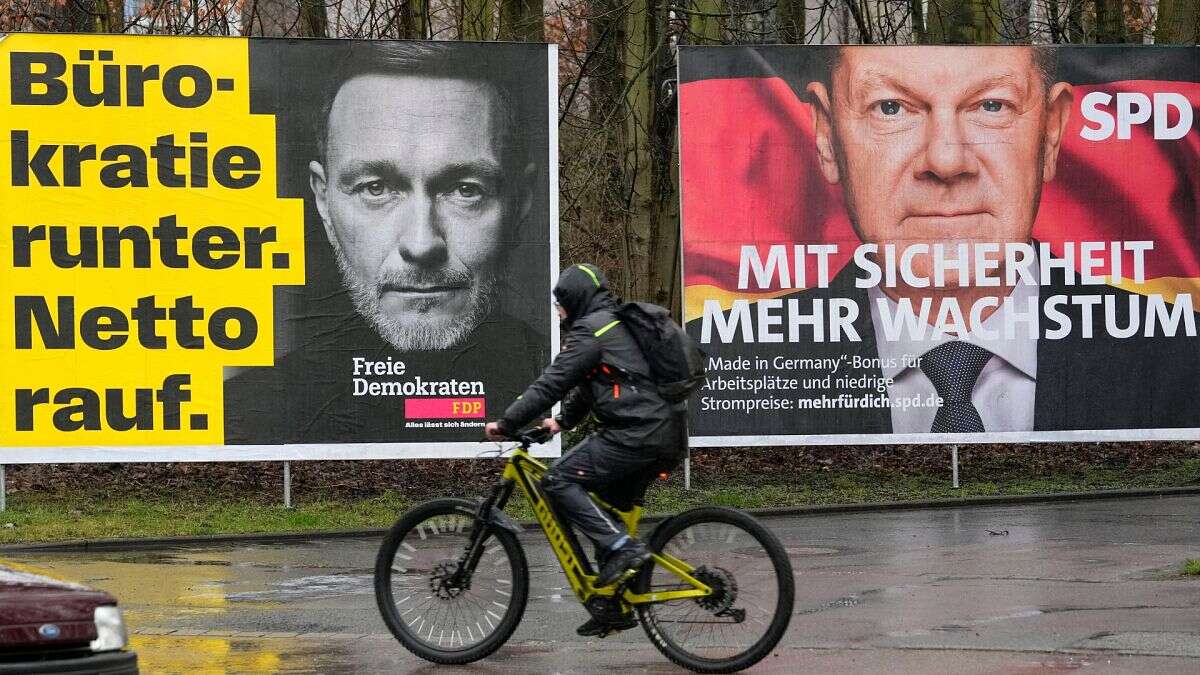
50	517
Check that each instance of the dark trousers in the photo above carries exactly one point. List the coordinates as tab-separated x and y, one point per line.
616	474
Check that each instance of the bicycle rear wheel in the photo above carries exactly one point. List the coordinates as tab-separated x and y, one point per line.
753	591
435	616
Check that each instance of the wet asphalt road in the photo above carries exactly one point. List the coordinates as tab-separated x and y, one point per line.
1088	586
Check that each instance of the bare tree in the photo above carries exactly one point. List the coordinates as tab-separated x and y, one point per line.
1178	22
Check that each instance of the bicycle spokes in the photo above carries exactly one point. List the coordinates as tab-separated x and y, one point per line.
743	601
441	605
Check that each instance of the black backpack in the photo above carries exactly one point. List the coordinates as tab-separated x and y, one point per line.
677	365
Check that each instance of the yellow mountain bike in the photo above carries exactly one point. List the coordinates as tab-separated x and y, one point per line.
451	579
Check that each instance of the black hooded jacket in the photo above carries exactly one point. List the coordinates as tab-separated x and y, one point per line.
598	370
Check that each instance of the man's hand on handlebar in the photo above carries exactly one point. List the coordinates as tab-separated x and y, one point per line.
492	431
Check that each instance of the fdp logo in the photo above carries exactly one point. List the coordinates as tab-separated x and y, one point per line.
467	408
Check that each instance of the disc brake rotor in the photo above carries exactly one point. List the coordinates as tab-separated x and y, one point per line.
724	589
441	581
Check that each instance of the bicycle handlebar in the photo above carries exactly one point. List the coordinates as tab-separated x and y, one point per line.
533	436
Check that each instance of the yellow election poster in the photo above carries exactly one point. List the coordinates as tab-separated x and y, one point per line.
163	268
144	238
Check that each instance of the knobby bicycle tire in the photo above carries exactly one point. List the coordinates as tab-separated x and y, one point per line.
385	599
782	571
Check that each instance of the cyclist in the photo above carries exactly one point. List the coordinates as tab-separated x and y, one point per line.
602	370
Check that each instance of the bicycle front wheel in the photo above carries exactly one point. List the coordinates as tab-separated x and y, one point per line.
438	615
753	591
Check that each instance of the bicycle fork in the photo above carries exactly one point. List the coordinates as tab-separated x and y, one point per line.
489	514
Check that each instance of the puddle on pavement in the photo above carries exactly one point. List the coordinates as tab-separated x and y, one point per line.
324	586
214	655
966	626
328	655
1063	664
155	558
810	550
143	583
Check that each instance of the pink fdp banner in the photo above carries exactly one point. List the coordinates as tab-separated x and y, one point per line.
444	408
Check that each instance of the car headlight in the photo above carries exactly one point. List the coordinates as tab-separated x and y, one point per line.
110	629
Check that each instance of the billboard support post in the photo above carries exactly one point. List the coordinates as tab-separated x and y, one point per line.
687	470
287	485
3	491
954	466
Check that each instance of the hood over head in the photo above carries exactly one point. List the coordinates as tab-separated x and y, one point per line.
582	289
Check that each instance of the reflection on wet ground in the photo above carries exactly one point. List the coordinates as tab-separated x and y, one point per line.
320	586
1074	586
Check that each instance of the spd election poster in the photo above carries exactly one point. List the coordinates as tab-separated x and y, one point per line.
233	249
942	244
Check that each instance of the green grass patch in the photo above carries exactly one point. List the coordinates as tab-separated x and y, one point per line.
53	518
1191	567
40	517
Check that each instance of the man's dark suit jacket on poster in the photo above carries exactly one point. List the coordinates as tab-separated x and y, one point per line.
1092	383
307	397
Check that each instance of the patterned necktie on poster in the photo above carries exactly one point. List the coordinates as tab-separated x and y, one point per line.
953	369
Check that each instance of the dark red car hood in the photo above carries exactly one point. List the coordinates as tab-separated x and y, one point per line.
30	601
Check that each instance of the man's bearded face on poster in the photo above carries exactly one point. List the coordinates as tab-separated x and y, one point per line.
940	145
416	203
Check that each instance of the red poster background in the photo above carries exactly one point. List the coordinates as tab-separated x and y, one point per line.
749	175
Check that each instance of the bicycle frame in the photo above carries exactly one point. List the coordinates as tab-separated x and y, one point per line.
525	471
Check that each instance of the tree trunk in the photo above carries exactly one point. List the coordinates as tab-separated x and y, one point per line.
1110	21
1178	22
412	20
314	22
478	20
653	232
1075	32
861	22
790	21
604	81
638	151
521	21
916	15
1014	21
110	16
963	21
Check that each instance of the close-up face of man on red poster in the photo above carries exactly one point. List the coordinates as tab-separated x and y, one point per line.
938	146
